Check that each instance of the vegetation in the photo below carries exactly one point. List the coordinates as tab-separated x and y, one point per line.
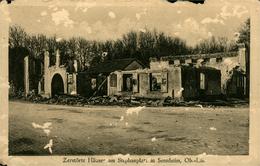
213	45
139	45
244	34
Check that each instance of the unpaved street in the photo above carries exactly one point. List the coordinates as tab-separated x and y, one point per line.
97	130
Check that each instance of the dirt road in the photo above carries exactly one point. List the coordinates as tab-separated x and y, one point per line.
121	130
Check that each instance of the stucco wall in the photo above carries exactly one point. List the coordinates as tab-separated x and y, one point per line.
159	65
173	84
72	86
143	85
50	71
225	66
111	90
48	76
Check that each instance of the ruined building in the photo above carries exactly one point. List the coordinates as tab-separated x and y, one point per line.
197	76
55	79
94	80
188	77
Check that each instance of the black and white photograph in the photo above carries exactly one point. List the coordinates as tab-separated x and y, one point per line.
128	78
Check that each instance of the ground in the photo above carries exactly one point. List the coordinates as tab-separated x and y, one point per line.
97	130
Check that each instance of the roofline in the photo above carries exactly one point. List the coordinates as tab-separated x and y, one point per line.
149	70
199	56
132	59
139	62
108	72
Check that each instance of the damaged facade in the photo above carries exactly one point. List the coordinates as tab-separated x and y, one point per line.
94	81
200	76
54	79
162	80
188	77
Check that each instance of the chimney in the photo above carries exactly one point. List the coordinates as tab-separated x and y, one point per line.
57	58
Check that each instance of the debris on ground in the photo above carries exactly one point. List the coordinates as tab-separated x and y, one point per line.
199	105
128	101
203	154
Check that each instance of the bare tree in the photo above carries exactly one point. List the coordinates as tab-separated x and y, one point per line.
214	45
17	36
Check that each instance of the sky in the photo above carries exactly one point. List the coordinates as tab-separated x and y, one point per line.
110	19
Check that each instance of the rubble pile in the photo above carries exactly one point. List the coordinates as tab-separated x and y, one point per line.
125	101
19	94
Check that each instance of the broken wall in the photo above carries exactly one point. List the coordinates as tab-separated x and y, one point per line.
69	79
213	82
84	85
72	83
190	83
197	88
172	86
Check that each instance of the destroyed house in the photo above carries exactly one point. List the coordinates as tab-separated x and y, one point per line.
234	68
181	82
189	77
200	83
49	79
186	77
94	80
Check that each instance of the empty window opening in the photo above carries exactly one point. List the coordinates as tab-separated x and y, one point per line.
206	60
194	60
240	81
70	78
182	61
127	82
155	81
219	60
171	62
113	80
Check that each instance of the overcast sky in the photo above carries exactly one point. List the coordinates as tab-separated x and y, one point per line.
109	19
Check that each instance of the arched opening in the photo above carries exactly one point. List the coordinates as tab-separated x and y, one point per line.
57	85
